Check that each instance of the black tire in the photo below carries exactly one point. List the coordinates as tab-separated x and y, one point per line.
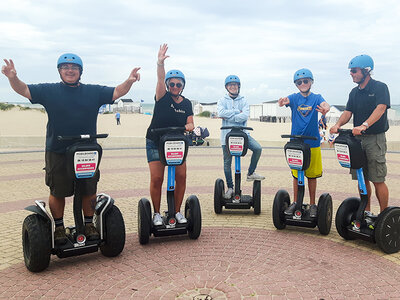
144	221
114	233
257	197
36	242
193	216
219	191
345	214
281	202
387	230
324	213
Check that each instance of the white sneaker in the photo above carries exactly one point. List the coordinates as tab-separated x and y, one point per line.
157	219
229	193
180	218
255	176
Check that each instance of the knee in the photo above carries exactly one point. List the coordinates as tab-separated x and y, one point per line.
156	181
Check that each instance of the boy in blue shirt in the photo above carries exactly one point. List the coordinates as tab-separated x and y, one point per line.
305	107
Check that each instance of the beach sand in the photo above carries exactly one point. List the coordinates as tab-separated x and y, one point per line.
26	128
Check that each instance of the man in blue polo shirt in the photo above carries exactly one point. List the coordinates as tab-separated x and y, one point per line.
368	103
72	109
305	106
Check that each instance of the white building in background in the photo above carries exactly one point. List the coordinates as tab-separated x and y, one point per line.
270	111
127	106
212	107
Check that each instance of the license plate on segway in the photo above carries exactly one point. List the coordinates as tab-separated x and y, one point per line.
85	163
236	145
174	152
294	159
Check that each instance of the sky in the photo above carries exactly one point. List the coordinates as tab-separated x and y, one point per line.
262	42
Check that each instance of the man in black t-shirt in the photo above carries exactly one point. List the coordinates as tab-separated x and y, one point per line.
368	104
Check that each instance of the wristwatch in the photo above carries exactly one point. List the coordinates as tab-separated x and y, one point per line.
365	124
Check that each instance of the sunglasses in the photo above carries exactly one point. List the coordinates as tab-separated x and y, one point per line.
73	68
300	82
178	85
354	71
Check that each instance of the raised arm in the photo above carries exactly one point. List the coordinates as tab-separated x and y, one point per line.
283	101
123	88
17	85
160	88
323	108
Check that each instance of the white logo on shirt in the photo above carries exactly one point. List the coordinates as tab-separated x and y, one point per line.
177	110
371	95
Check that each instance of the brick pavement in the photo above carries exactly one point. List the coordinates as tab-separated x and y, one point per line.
238	255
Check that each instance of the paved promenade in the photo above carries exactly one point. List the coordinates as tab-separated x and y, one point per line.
238	255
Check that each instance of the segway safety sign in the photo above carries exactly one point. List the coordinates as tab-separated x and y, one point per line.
236	145
85	163
174	152
343	154
294	159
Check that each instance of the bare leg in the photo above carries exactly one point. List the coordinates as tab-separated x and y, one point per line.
180	178
295	187
57	206
382	193
312	189
156	181
88	204
369	193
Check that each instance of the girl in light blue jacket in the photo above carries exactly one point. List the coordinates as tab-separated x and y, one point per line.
234	110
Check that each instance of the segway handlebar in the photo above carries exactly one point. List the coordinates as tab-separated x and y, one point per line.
348	132
82	137
299	137
166	129
237	127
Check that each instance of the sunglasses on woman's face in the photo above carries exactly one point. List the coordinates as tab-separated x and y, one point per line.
178	85
300	82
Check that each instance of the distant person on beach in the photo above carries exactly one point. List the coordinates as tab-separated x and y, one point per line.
305	106
234	110
72	108
118	118
171	109
368	103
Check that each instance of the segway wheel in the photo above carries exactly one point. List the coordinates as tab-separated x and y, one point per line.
114	233
144	221
387	231
36	242
193	216
257	197
345	214
219	191
324	213
281	202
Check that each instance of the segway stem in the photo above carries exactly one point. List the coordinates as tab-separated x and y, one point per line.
77	207
300	189
171	192
237	175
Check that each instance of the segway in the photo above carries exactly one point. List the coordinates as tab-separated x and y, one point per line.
173	149
298	156
351	221
83	159
237	143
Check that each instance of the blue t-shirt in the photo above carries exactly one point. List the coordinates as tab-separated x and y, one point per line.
70	110
305	116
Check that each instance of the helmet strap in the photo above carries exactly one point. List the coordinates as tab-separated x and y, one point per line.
233	96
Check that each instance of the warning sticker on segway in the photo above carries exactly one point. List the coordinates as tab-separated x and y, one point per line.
294	159
236	144
85	163
343	154
174	152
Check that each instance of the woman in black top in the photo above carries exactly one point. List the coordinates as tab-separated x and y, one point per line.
171	109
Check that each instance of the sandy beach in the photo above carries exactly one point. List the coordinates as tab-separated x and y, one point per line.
26	128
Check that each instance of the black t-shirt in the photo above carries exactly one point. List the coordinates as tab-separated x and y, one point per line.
70	110
362	102
168	113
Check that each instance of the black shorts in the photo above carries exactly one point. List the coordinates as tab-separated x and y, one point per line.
61	184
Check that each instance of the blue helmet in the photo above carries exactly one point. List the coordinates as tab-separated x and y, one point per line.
362	61
70	58
232	78
175	74
302	73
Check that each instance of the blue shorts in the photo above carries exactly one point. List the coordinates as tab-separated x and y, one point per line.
152	151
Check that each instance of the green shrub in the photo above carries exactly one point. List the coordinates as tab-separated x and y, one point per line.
205	114
6	106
